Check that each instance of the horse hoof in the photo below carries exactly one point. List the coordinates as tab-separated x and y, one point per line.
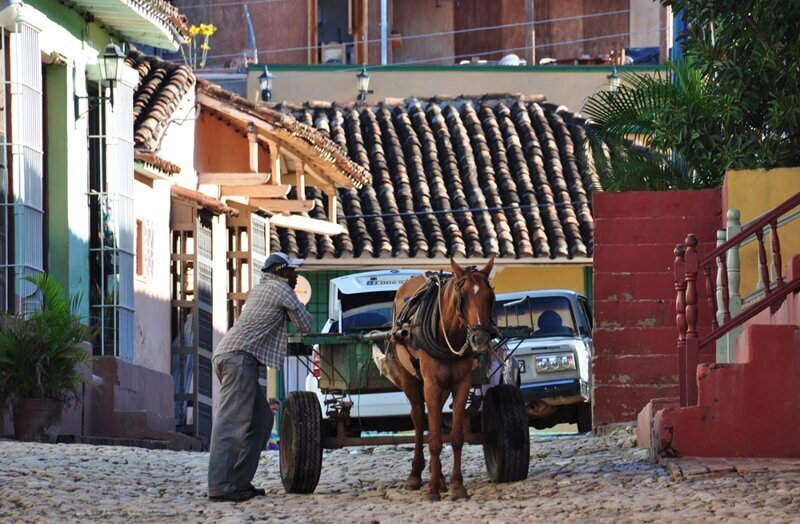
412	483
433	497
443	487
460	494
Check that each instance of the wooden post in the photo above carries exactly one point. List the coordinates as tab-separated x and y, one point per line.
275	163
530	30
333	208
763	270
721	344
252	140
680	317
776	253
692	342
734	279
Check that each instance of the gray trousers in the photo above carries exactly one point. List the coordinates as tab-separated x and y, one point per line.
241	427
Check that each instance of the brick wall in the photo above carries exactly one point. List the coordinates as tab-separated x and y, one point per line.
634	294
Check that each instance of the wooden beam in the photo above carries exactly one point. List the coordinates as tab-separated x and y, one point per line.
320	182
252	140
232	179
275	162
300	184
333	208
278	205
255	190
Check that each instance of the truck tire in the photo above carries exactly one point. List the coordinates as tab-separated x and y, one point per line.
584	417
504	423
301	442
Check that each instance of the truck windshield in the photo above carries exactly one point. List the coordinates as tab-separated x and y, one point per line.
366	318
547	316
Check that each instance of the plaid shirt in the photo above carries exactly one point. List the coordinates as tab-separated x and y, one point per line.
261	328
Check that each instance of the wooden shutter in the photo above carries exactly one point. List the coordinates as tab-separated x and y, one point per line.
259	246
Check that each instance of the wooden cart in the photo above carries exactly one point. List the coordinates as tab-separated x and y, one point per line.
496	416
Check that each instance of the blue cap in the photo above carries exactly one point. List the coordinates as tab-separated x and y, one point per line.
277	261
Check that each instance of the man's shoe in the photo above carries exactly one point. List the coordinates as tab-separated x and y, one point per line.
234	497
258	492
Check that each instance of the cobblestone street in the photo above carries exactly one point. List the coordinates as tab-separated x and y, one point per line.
599	478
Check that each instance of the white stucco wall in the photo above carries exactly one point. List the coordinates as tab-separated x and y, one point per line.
152	290
152	319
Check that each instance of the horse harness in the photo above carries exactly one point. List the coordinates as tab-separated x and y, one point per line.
422	312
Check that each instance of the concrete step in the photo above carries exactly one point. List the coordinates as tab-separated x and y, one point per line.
750	409
140	425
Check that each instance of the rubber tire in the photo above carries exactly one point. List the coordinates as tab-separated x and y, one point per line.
301	442
584	417
504	423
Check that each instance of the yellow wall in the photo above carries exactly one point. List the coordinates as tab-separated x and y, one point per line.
568	86
515	278
754	192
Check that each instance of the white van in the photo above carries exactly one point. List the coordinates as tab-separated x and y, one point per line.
358	303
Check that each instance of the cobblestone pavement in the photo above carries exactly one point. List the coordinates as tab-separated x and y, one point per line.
596	478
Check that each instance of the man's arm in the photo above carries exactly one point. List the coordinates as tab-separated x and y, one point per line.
298	314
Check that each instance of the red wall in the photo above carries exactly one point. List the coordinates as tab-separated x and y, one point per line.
634	294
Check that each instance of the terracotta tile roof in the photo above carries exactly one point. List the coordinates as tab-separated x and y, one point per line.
204	201
157	162
322	145
162	86
465	177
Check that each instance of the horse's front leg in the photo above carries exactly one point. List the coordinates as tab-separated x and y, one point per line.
433	399
413	390
460	394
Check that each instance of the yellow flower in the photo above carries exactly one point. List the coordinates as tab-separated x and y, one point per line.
205	47
194	30
188	40
208	29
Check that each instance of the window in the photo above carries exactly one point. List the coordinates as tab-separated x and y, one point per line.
546	315
139	251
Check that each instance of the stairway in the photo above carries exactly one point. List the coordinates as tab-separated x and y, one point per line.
748	409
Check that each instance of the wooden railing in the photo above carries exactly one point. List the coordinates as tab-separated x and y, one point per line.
714	268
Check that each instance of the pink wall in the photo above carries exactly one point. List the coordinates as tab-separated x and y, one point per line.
634	295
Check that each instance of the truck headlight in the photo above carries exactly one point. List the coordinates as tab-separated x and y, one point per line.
555	363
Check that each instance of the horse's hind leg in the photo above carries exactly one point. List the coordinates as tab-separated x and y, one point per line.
460	394
413	390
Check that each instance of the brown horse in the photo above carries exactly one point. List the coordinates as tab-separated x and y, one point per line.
463	328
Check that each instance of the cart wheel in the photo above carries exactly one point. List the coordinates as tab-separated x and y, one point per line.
301	442
505	426
584	418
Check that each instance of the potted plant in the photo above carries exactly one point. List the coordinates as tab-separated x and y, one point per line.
40	355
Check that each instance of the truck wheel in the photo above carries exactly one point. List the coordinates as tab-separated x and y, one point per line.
505	427
301	442
584	418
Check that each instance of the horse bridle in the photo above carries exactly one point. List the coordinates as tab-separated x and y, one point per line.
490	329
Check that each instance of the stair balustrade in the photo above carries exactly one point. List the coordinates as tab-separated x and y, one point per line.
714	269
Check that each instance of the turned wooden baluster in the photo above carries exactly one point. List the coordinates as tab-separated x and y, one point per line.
711	294
776	253
762	261
680	318
726	305
692	342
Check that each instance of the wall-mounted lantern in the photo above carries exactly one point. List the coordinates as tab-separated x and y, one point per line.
111	68
363	84
614	81
265	82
